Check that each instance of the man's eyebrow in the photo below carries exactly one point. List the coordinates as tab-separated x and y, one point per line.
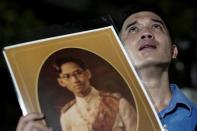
155	20
131	24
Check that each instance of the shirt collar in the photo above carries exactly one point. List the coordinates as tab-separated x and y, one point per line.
178	98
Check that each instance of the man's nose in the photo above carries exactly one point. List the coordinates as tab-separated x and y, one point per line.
146	33
74	78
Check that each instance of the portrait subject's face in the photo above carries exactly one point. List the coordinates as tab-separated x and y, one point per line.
75	79
147	39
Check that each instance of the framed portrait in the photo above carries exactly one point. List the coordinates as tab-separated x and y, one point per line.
33	68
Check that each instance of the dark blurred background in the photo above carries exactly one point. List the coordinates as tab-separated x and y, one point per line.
20	19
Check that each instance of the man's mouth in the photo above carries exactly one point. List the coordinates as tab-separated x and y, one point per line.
147	46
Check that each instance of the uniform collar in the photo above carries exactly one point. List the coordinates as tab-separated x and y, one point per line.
178	99
89	97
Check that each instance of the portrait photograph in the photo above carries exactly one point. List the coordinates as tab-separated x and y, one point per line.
83	81
104	78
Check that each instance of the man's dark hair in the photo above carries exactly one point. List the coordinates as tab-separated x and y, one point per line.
59	62
120	17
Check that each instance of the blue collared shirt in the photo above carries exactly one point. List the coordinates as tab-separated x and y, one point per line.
180	114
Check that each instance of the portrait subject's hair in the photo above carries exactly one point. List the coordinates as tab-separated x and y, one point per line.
63	60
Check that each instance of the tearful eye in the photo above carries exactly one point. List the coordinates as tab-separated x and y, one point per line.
133	29
157	26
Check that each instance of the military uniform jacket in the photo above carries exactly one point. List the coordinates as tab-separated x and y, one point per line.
98	112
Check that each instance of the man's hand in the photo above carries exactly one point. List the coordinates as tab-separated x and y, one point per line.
32	122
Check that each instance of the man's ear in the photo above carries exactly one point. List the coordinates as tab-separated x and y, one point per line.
174	51
61	82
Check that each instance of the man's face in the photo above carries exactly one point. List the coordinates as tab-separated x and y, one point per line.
147	39
74	78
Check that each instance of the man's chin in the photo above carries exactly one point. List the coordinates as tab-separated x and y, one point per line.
151	63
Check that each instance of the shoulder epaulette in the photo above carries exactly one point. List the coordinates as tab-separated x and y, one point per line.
67	106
